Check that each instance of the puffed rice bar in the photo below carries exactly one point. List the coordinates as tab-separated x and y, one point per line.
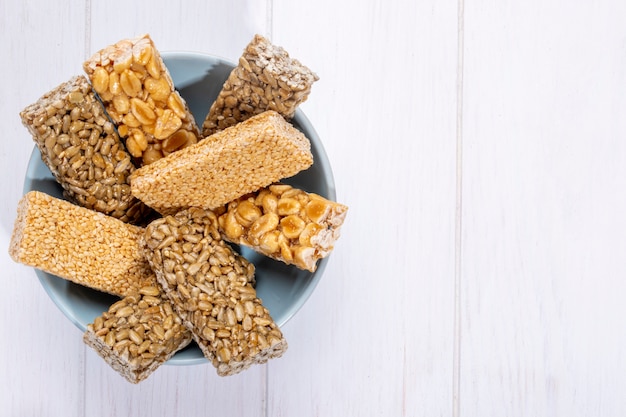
137	89
81	245
235	161
82	150
137	334
266	78
284	223
209	286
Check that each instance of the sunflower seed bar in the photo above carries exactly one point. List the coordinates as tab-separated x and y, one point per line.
80	245
137	334
209	286
266	78
139	95
82	150
235	161
284	223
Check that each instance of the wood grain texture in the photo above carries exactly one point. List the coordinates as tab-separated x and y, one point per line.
376	337
41	355
540	187
543	209
175	391
217	27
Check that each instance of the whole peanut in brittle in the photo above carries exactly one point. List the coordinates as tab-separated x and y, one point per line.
284	223
139	95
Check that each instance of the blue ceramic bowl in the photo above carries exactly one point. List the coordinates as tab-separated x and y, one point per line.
283	288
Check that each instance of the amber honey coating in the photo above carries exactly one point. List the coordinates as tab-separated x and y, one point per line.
266	78
137	89
210	287
80	245
137	334
284	223
235	161
83	151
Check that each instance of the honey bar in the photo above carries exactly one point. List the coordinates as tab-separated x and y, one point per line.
235	161
266	78
209	287
284	223
78	244
82	150
137	334
137	89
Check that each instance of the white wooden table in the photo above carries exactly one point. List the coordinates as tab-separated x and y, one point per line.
481	147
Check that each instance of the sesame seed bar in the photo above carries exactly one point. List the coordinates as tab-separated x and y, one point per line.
235	161
284	223
266	78
82	150
209	286
137	334
78	244
139	95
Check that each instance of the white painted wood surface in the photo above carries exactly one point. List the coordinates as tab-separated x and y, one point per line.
481	149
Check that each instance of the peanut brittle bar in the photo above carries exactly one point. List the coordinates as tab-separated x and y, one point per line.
137	89
284	223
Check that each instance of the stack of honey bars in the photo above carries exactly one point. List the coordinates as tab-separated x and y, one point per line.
151	200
